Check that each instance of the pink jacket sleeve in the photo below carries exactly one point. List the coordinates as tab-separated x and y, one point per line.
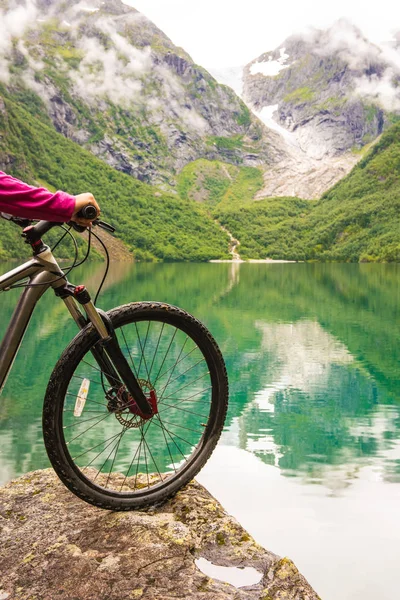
22	200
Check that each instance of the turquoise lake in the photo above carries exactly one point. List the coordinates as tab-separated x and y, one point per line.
309	461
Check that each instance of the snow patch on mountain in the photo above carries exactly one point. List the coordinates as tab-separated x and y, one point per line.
270	67
266	116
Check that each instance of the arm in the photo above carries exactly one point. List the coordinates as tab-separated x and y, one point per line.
22	200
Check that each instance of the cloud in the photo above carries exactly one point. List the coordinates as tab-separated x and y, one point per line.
172	87
13	24
84	7
375	66
109	72
114	73
379	90
347	41
193	120
35	65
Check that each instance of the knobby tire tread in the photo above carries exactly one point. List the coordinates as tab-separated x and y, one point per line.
63	371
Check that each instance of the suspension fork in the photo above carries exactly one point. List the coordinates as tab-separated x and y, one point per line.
108	354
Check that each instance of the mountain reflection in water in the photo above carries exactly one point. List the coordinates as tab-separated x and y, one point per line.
312	353
313	357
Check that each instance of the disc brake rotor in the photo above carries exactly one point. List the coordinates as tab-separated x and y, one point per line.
127	417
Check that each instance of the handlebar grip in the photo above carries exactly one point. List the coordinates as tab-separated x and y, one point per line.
88	212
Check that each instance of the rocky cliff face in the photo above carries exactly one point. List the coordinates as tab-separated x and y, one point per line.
333	90
110	80
328	94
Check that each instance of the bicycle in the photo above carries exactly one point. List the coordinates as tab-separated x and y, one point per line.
136	402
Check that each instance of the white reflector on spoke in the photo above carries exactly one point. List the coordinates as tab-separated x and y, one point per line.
81	399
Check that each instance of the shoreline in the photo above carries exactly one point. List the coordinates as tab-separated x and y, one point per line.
255	260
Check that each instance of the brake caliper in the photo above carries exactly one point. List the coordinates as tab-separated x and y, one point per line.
120	401
152	400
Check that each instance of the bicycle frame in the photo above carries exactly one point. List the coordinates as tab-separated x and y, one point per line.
43	272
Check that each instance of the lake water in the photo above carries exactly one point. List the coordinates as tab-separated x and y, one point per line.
309	461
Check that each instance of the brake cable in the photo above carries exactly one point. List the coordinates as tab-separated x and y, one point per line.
107	267
75	263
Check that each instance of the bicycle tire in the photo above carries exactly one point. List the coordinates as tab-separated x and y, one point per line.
144	330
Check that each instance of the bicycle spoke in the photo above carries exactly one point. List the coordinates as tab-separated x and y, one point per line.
182	427
96	446
138	462
86	411
154	462
174	367
185	410
169	451
172	433
115	455
79	422
142	348
130	466
118	436
181	375
165	356
82	378
190	382
88	429
172	438
156	350
145	457
181	360
87	399
190	397
130	355
102	372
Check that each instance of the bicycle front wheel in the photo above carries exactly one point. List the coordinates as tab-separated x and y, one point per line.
104	451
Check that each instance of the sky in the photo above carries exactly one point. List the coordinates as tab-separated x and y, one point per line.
226	33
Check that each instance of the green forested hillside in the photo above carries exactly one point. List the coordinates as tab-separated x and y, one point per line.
357	220
215	183
258	226
155	225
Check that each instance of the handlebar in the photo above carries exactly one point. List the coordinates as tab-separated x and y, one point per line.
42	227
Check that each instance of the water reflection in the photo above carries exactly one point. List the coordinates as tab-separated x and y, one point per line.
319	413
312	353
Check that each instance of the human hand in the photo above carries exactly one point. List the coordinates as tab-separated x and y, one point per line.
82	200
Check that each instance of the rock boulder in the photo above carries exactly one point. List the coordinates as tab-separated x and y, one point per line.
53	546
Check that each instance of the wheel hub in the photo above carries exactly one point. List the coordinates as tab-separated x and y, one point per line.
126	411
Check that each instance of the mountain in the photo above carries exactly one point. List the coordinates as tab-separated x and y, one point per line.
333	89
86	84
108	79
154	225
328	94
357	220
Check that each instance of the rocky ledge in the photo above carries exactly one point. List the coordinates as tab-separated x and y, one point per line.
52	545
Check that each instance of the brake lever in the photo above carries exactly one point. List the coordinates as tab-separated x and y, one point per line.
98	222
17	220
104	225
